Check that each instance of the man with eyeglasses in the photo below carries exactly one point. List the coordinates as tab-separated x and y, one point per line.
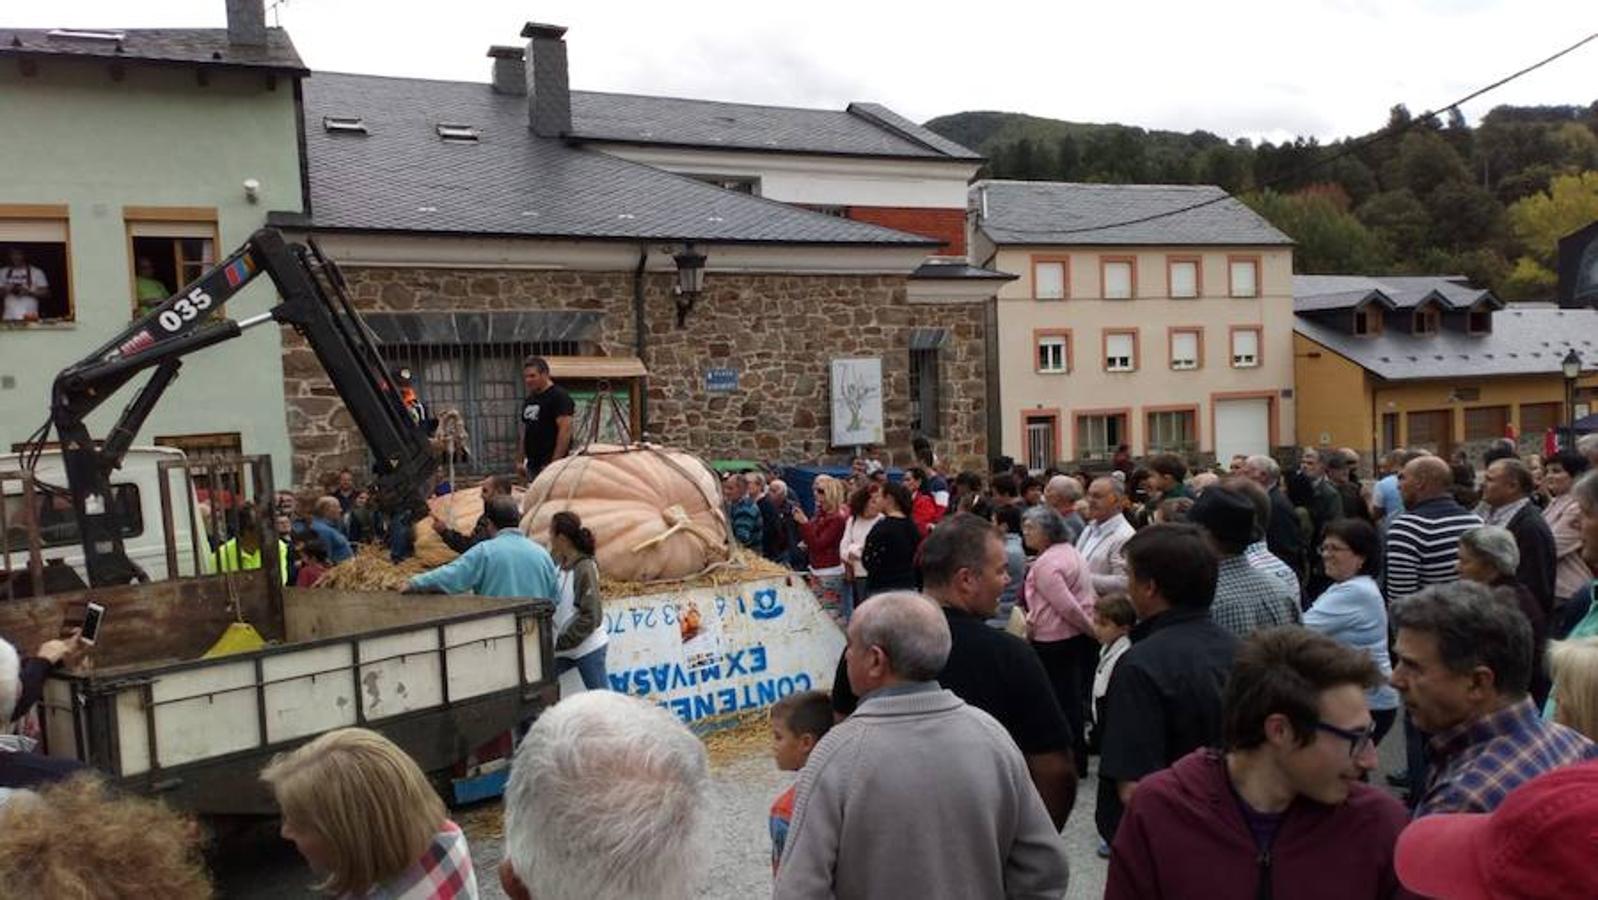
1283	811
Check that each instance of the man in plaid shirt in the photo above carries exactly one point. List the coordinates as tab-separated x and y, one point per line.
1463	664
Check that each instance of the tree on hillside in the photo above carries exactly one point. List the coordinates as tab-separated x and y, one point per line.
1222	164
1539	221
1426	160
1329	239
1067	158
1400	221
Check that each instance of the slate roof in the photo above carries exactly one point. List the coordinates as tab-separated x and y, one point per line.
170	46
1054	212
1529	341
1324	292
863	129
401	176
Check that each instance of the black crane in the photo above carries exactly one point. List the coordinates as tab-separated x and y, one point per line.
315	303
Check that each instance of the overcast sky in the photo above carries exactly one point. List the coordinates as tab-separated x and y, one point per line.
1254	68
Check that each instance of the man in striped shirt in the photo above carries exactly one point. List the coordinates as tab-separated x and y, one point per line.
1423	541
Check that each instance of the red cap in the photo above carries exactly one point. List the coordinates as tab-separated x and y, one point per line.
1542	841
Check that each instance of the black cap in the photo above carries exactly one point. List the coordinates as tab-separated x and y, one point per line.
1226	514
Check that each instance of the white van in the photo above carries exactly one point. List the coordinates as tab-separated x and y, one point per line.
136	487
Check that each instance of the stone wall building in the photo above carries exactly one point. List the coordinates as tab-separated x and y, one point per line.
777	331
475	225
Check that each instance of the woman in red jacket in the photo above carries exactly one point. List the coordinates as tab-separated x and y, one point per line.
821	536
925	512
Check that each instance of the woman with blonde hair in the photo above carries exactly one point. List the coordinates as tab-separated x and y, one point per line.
364	816
823	537
1575	670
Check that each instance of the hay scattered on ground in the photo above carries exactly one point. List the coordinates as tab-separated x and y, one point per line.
737	737
744	566
371	570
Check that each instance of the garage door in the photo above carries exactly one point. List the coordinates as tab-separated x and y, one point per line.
1242	426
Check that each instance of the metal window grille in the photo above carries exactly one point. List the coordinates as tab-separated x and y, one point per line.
1040	453
924	391
483	382
1172	432
1098	436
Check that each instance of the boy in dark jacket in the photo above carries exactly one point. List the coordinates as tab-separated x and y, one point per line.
1283	812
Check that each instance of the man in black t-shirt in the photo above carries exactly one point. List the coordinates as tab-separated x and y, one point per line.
546	419
964	569
1164	699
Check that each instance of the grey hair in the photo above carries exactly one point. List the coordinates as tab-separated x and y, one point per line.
1265	464
1064	487
910	629
1586	493
1117	485
1051	523
1474	626
1494	544
608	800
1587	444
777	485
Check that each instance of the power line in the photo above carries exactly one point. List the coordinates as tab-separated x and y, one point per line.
1349	149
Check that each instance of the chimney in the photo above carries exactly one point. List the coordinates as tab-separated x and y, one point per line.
549	99
246	22
510	72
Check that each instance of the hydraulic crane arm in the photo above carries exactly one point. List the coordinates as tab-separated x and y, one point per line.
314	302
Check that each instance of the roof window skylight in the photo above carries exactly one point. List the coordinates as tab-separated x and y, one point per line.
459	133
86	34
344	124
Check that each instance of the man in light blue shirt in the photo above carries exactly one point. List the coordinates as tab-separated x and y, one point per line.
1386	501
508	564
327	526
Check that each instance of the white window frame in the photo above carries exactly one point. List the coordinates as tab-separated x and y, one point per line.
1126	291
1120	362
1188	363
1060	345
1161	425
1192	264
1064	283
1251	266
1242	360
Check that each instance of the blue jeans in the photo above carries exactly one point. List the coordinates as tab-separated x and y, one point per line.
590	668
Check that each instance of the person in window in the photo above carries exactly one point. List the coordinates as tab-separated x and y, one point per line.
24	287
149	291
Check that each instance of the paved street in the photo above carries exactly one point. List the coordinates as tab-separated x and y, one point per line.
739	861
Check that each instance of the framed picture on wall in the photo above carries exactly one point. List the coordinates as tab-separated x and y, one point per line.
856	401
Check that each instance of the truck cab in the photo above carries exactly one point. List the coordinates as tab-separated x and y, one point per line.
135	491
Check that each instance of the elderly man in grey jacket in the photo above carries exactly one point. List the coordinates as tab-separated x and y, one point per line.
916	794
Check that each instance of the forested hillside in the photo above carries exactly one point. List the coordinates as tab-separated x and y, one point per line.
1487	201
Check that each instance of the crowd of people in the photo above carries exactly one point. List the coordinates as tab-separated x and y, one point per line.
1234	645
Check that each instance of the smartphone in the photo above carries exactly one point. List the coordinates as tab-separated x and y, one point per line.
91	623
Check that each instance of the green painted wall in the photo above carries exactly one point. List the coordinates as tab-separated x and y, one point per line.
156	138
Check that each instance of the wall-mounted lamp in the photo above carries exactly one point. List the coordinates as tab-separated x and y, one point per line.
252	190
690	280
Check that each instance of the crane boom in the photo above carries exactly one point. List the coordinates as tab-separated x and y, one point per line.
314	302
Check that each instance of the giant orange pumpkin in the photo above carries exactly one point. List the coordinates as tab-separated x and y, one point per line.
655	512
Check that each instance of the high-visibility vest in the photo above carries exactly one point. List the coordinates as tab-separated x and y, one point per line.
228	558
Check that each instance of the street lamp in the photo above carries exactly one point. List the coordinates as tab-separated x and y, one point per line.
690	280
1570	367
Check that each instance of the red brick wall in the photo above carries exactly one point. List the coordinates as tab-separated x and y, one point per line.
947	225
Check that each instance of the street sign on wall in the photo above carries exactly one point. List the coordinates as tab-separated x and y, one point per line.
721	380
